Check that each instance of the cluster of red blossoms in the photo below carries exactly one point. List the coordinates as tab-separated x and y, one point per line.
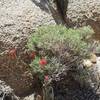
42	62
12	54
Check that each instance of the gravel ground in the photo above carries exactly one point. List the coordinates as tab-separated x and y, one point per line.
79	11
78	8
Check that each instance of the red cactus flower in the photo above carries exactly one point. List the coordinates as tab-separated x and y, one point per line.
46	78
43	61
12	53
32	55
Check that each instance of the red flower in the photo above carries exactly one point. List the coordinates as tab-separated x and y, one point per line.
32	55
43	61
46	78
12	53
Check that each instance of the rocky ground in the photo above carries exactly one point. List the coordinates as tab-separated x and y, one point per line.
80	10
18	18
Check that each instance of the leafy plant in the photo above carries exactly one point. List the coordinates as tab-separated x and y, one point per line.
47	37
58	45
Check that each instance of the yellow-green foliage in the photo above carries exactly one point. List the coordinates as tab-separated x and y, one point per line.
47	36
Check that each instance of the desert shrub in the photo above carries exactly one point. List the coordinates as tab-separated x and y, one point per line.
59	46
47	37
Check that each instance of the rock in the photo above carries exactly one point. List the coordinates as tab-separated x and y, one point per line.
6	92
87	63
30	97
97	66
93	58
